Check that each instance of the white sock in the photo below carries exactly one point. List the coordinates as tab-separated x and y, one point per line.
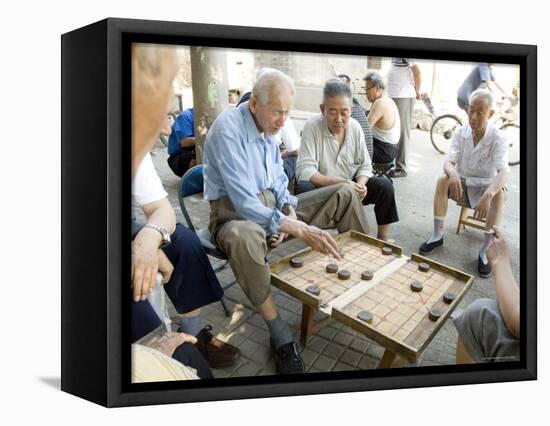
437	233
483	249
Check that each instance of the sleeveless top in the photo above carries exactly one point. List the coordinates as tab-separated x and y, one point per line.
392	134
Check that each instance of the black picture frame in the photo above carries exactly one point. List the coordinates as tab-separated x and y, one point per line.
96	210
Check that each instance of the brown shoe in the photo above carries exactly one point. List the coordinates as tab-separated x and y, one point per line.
216	352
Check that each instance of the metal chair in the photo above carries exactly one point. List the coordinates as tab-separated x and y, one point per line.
382	169
192	183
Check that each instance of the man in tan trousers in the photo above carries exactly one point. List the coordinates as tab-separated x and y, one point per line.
247	189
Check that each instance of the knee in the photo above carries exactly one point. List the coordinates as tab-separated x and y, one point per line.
248	235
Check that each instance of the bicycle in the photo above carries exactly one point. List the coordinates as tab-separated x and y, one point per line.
444	126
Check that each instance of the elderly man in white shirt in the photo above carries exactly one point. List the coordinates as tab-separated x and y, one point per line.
476	172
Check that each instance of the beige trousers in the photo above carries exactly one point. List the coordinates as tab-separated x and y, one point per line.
244	242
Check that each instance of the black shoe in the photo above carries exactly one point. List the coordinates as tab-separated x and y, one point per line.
427	247
484	269
288	360
397	173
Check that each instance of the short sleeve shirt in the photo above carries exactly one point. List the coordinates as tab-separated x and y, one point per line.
183	127
147	186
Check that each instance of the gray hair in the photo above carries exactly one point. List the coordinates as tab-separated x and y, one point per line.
375	79
336	87
270	82
486	95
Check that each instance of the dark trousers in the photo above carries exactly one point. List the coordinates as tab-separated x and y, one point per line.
179	163
189	355
193	283
383	152
380	192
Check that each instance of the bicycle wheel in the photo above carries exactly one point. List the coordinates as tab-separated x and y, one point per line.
442	131
511	131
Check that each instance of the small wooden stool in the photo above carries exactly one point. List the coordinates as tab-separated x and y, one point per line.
467	219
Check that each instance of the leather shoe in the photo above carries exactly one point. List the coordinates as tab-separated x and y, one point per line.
427	247
484	269
216	352
288	360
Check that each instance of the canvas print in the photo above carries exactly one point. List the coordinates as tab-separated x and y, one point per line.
297	213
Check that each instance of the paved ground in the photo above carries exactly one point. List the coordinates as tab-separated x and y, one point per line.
336	347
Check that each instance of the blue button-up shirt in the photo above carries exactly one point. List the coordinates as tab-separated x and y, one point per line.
240	162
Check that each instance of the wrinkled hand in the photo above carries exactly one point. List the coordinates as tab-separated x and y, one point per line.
145	264
482	208
360	188
169	342
319	240
289	211
498	250
165	267
455	186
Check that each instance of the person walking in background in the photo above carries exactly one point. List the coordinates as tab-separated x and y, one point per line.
403	86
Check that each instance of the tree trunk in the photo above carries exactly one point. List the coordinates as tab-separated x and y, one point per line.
210	90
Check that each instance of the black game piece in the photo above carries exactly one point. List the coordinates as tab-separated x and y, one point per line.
434	314
314	289
365	316
386	251
448	297
296	262
344	274
423	266
332	268
367	275
417	286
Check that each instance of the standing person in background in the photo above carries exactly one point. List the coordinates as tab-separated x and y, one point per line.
404	82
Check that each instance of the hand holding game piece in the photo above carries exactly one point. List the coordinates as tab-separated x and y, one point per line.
272	240
498	250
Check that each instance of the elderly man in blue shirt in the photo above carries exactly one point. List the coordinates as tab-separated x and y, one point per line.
247	189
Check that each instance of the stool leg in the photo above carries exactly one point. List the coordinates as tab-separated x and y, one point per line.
227	313
462	219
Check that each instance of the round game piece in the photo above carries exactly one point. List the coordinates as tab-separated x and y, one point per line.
387	251
416	286
344	274
365	316
332	268
367	275
423	266
296	262
314	289
448	297
434	314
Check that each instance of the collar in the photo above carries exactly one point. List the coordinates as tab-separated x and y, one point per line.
485	140
327	133
252	132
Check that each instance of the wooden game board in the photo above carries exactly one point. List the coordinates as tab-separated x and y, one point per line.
400	316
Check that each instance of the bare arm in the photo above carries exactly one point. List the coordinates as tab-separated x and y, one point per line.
188	142
376	113
495	87
506	288
147	258
319	180
417	76
498	182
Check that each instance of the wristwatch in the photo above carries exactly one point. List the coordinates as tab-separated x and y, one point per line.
165	234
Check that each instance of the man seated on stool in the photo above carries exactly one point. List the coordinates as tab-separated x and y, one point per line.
333	151
383	118
488	330
476	171
249	200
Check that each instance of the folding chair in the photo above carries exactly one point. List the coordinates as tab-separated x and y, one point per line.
192	183
382	169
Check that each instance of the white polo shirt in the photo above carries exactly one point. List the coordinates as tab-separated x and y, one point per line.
147	186
478	165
